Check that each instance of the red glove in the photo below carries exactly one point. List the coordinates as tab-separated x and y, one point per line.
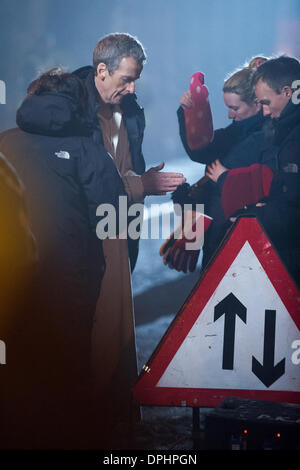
198	119
181	250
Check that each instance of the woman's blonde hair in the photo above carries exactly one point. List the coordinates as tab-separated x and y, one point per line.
240	82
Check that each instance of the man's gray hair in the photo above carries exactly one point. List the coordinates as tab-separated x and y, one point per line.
111	49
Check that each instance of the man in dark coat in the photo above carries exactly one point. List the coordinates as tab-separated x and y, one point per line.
118	61
66	177
134	121
276	89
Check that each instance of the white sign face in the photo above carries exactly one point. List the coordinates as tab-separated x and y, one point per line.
242	339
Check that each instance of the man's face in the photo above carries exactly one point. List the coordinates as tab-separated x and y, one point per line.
272	103
238	109
112	88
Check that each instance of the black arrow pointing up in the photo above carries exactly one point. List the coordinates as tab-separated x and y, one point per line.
268	373
230	306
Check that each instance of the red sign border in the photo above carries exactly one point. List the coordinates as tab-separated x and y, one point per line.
244	229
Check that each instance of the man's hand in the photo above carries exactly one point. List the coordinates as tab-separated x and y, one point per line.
158	184
215	170
186	100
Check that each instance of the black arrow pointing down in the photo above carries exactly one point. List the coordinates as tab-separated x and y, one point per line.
267	373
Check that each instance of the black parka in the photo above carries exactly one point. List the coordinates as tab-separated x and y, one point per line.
66	176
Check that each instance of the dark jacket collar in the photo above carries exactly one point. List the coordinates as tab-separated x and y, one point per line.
288	120
88	76
53	114
251	124
128	104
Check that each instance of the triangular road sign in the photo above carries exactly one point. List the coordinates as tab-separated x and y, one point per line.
236	333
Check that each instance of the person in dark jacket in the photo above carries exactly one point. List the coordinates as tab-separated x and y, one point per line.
246	121
118	61
242	144
277	90
66	177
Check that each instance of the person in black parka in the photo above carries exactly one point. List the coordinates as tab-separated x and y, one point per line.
66	176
